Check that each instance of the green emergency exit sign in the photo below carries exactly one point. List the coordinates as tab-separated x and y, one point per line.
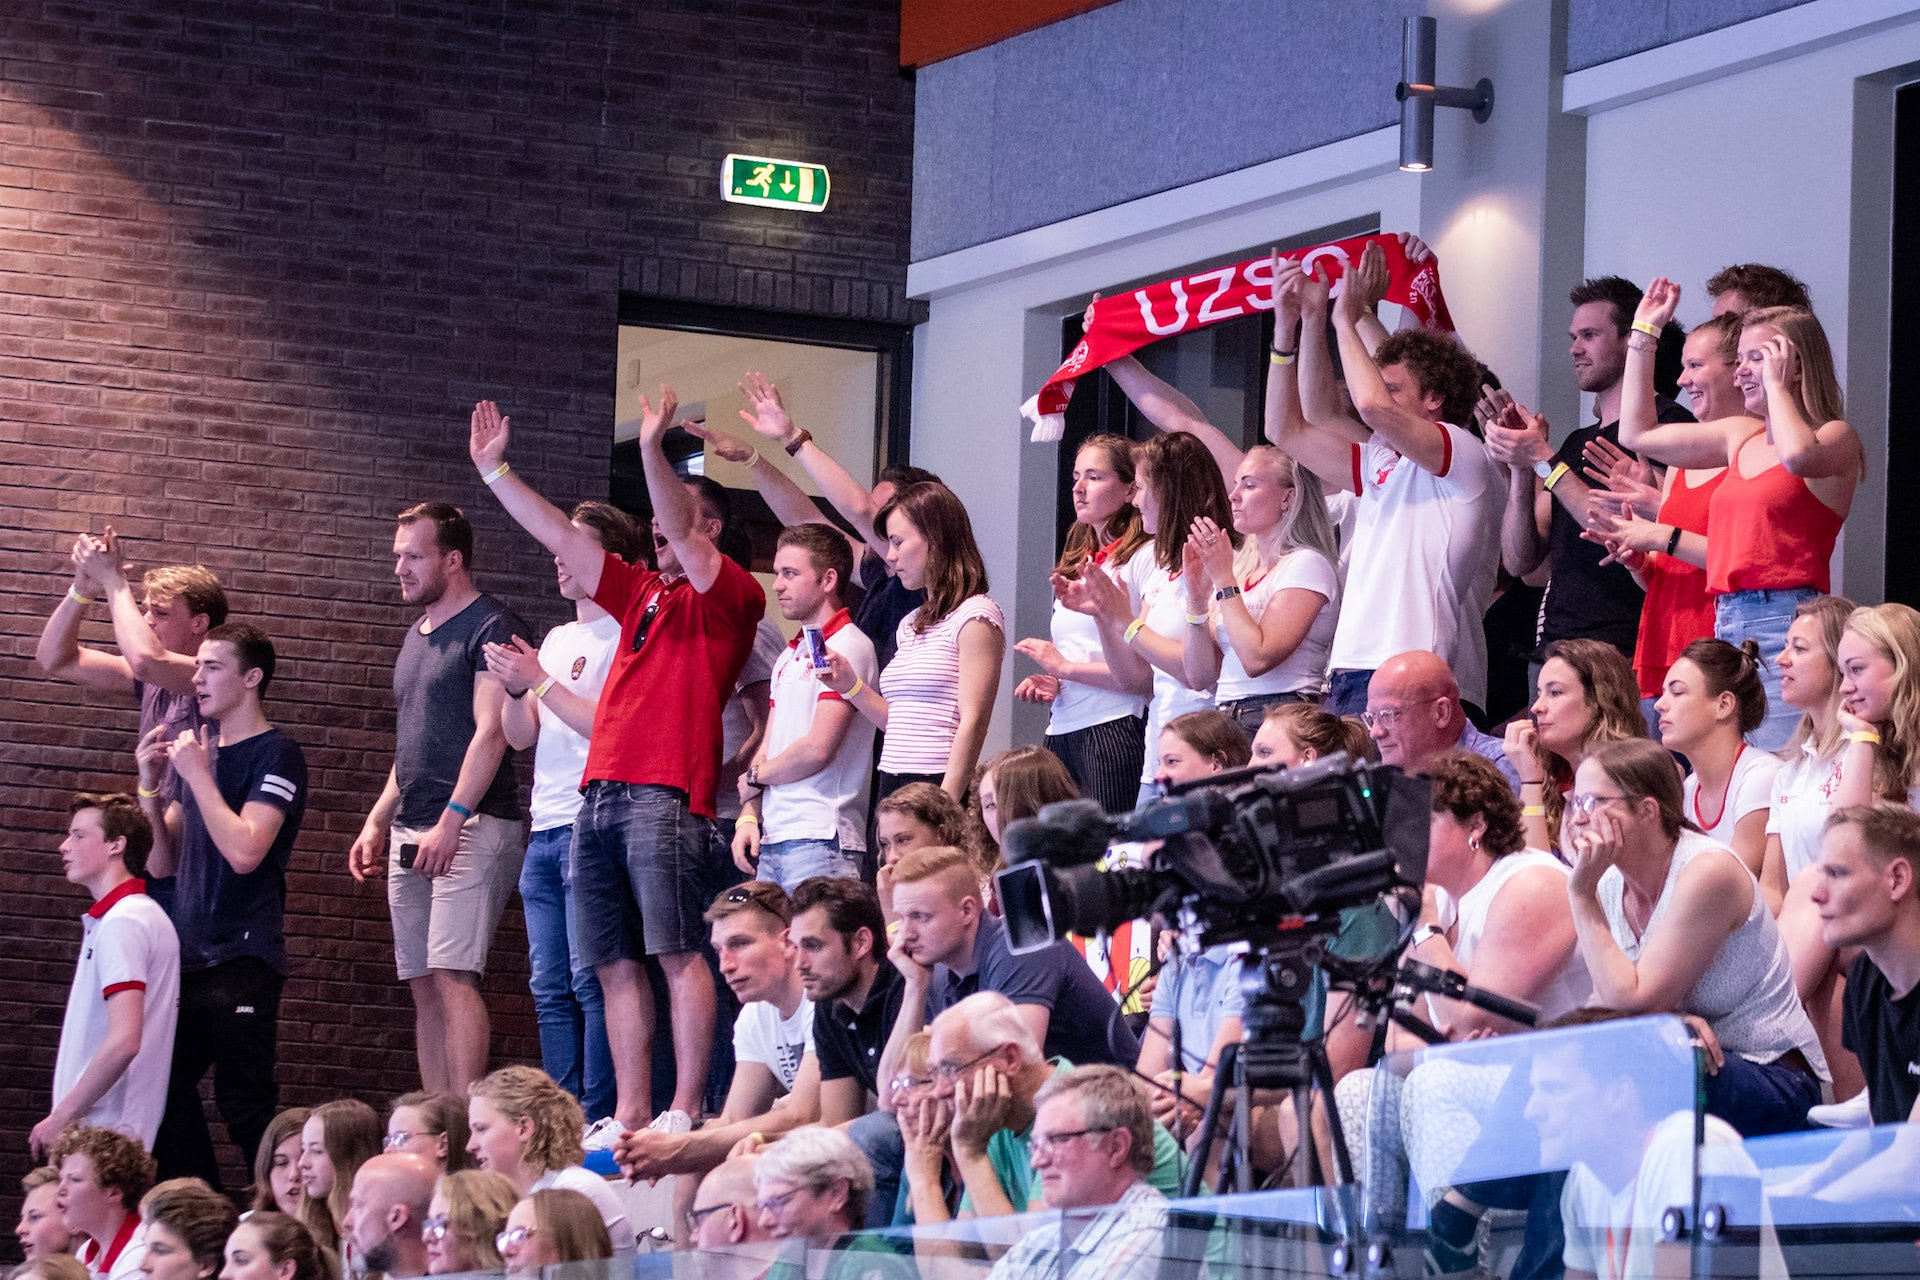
782	184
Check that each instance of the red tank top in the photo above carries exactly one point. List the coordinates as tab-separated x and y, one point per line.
1678	609
1768	532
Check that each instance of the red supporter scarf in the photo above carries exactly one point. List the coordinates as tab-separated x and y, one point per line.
1129	321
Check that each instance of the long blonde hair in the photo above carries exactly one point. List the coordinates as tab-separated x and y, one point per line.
1832	613
1894	629
1817	392
1306	525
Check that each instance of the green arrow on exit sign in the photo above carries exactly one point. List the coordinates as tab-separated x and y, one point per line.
783	184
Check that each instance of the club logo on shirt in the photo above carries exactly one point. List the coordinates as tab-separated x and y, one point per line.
1381	473
579	665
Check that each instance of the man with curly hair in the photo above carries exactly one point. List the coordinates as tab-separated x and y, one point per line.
103	1174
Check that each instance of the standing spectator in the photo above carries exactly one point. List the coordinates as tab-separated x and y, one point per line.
1425	549
336	1140
945	670
116	1041
1790	481
42	1229
1414	712
103	1175
1587	699
917	816
225	842
1095	721
468	1210
1268	610
187	1224
276	1165
813	768
564	678
1140	615
386	1211
527	1128
430	1125
840	939
1297	733
446	827
1550	502
1713	699
641	842
1748	286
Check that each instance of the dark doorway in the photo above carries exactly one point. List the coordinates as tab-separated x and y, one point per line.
1903	390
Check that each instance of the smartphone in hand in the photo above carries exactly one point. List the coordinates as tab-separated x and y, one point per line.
408	854
816	646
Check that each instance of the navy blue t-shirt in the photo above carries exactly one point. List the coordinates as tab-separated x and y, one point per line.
220	914
881	609
433	723
1084	1025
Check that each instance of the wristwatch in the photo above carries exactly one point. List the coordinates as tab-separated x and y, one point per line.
1226	593
1543	468
1425	932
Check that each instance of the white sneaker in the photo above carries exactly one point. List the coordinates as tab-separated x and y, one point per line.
675	1121
602	1134
1854	1113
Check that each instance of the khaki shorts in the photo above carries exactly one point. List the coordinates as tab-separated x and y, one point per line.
447	921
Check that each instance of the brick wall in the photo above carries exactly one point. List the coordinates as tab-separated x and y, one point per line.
256	259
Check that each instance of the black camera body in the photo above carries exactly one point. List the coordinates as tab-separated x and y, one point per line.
1243	855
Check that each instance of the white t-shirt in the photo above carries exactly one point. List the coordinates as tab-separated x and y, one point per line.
576	654
1161	598
735	725
128	944
1426	551
1750	788
1077	637
613	1211
922	688
1305	669
761	1035
831	802
1802	798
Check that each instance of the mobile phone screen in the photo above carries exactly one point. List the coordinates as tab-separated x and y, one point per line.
409	852
816	645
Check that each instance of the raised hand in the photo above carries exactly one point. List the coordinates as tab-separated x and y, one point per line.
732	448
1779	362
1414	247
1213	549
654	423
1315	292
487	431
1354	302
516	665
765	412
98	559
838	675
1041	689
1521	743
1086	317
1286	298
151	756
1658	303
1092	592
1617	476
1193	575
1369	278
1044	653
192	756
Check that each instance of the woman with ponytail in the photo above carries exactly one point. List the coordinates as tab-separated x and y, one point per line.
1297	733
1712	699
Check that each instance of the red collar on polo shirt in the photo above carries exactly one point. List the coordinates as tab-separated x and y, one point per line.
125	889
1100	556
834	623
91	1255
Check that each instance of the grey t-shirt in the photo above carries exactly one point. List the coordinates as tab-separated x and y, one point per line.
433	693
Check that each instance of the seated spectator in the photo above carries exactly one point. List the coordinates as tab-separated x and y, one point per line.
1414	711
187	1224
276	1166
433	1125
1197	1005
386	1210
527	1128
812	1185
42	1228
1297	733
906	1091
917	816
468	1210
1748	286
336	1140
269	1245
945	670
776	1076
50	1266
987	1071
813	767
116	1042
1713	699
1198	744
1587	699
1096	721
725	1210
551	1227
1879	657
1666	924
1092	1146
103	1175
1268	609
839	938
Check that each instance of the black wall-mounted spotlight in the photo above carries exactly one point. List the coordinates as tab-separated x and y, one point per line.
1419	95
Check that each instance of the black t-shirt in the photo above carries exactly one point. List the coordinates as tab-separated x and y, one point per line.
848	1043
1884	1033
1085	1025
220	914
1585	599
433	691
885	603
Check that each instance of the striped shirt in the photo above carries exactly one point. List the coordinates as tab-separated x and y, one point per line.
922	688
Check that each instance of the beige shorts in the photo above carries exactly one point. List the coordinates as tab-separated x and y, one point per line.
447	921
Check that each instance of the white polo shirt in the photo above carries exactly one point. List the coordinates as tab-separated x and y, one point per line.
123	1255
577	655
128	945
831	802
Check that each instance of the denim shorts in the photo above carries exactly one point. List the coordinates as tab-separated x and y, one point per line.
1764	616
642	873
788	862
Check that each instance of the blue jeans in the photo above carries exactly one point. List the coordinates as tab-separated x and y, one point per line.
788	862
1761	1098
1347	692
644	860
1764	616
877	1134
566	995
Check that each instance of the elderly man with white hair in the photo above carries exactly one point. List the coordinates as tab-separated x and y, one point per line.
813	1184
988	1071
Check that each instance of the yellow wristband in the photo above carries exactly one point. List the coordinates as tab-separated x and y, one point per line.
747	817
858	685
753	459
146	794
1133	629
1555	476
1280	357
77	598
1196	619
491	476
540	690
1533	811
1864	735
1641	326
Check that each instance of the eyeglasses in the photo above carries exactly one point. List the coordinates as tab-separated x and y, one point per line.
1583	805
774	1204
903	1083
434	1229
513	1236
402	1138
647	616
1387	717
948	1071
1045	1144
697	1216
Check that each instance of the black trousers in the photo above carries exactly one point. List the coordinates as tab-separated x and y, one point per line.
230	1022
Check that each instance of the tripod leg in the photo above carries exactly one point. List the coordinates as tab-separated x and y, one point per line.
1323	1079
1210	1120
